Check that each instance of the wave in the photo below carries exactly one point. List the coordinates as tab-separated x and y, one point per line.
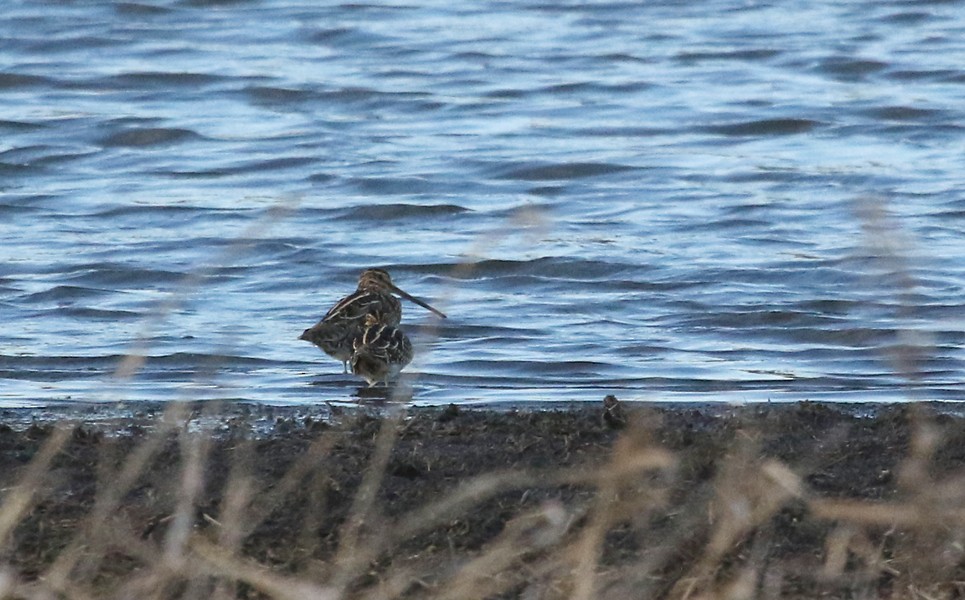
145	137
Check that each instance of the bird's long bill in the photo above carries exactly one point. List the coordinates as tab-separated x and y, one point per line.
412	298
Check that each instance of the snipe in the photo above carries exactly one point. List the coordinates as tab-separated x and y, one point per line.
337	331
380	352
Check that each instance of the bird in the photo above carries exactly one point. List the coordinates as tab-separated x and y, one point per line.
336	332
380	352
613	415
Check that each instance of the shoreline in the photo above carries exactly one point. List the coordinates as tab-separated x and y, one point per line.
107	416
787	500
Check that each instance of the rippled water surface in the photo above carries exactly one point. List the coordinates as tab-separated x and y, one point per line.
708	200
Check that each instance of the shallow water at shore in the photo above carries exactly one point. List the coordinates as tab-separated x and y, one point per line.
716	201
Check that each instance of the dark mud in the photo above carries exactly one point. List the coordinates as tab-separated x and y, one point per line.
666	502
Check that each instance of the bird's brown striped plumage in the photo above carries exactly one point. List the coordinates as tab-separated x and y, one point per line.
380	352
337	331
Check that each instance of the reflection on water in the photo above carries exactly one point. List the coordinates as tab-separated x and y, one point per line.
666	202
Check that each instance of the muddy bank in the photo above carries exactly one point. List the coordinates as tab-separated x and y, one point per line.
664	502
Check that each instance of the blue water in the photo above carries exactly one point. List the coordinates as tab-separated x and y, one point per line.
700	201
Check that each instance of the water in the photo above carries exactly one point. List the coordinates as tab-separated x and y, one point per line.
706	201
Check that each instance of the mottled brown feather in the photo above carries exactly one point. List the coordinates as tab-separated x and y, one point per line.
380	352
336	332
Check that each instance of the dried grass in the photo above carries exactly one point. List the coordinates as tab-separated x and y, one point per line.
691	536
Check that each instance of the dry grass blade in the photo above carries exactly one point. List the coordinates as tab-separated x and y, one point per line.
888	514
60	572
889	246
20	496
193	449
615	500
748	494
501	565
354	552
135	358
269	501
222	564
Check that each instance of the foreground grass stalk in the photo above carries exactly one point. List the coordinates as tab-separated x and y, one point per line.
20	497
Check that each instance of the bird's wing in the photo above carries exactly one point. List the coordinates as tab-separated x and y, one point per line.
383	341
354	307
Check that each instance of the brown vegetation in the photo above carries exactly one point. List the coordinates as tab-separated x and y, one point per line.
787	501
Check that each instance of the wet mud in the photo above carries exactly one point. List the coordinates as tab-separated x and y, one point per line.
797	501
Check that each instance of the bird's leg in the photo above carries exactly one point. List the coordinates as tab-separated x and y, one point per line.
345	366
